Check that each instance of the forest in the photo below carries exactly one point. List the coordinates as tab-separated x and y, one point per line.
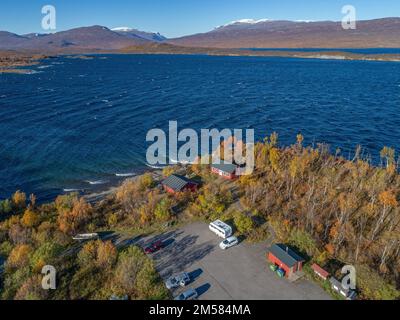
332	209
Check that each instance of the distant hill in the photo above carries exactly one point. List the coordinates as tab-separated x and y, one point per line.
10	40
244	33
79	39
129	32
249	33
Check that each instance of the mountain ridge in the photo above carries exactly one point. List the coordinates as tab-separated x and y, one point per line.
243	33
384	32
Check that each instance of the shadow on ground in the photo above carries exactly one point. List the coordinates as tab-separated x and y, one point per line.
195	274
203	289
180	253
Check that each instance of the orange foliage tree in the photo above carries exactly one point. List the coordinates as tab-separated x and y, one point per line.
72	221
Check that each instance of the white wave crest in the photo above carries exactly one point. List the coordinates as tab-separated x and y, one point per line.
97	182
125	174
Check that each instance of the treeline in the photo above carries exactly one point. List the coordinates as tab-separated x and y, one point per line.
33	236
334	210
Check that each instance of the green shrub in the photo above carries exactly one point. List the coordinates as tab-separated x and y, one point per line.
244	224
5	206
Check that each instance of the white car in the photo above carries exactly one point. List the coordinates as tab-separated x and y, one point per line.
228	243
180	280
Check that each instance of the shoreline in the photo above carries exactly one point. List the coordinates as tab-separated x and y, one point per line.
100	195
13	62
317	54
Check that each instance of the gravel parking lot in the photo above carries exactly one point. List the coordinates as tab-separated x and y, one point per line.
238	273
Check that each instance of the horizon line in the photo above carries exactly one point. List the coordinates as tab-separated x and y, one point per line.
185	35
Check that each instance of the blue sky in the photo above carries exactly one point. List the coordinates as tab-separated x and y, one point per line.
180	17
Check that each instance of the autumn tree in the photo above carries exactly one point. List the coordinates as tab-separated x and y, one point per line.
75	220
388	200
31	289
30	219
163	210
130	196
46	254
145	182
136	276
243	223
388	156
5	206
130	263
19	200
106	255
19	256
98	254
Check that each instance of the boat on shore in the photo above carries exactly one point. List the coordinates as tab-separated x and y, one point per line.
86	236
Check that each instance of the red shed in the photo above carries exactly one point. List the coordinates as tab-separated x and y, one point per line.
225	170
176	183
286	259
320	272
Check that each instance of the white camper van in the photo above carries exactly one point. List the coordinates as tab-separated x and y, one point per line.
221	229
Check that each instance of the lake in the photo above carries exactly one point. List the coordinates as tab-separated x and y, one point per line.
75	124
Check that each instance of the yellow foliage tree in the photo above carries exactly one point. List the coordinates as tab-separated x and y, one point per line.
388	198
72	221
19	256
30	219
19	199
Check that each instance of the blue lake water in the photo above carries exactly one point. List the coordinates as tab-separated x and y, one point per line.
77	123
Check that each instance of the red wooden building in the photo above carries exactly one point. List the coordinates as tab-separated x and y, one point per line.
225	170
286	259
320	272
176	183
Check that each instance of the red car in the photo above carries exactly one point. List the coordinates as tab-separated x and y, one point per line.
154	247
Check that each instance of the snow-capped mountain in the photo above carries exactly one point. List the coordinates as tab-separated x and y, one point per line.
85	38
265	33
126	31
243	21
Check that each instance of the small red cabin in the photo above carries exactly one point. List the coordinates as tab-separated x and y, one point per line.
176	183
320	272
286	259
225	170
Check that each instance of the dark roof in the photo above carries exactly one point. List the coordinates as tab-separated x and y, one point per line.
285	255
226	167
177	182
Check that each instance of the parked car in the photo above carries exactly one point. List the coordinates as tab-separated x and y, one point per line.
154	247
228	243
180	280
190	294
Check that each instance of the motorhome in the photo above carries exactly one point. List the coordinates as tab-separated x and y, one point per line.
221	229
